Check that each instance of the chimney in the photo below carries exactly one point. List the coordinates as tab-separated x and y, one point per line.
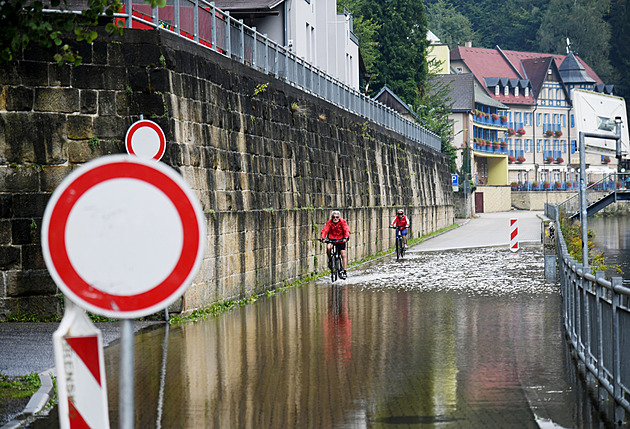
468	44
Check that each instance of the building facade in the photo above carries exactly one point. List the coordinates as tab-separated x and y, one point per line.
312	29
541	133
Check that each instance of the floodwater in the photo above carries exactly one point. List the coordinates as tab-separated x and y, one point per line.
450	339
612	236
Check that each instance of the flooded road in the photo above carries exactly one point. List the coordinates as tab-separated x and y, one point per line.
458	338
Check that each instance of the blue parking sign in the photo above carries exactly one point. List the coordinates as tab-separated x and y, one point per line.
455	179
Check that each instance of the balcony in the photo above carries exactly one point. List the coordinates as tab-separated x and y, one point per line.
489	119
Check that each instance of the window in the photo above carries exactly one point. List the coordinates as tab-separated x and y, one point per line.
563	120
516	91
538	119
572	121
526	91
460	70
564	145
538	145
573	148
506	90
546	118
497	90
555	119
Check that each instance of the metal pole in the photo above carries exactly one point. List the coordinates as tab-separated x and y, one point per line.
126	387
583	207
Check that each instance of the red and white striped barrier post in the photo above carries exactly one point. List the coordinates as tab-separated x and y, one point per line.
514	235
80	366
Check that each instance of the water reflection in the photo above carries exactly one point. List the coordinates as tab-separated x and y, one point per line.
612	236
449	339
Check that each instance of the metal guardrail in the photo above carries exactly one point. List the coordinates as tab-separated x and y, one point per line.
596	315
595	191
204	24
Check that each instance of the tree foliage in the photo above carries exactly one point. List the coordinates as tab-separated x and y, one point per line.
400	32
449	25
25	22
582	21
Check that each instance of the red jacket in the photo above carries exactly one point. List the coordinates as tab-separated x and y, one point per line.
336	231
401	221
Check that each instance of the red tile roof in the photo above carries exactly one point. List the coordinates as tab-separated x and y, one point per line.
492	63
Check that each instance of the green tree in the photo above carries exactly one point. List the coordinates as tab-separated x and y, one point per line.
25	22
366	31
449	25
401	35
433	112
582	22
619	20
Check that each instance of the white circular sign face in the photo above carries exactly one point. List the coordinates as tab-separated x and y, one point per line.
123	237
145	139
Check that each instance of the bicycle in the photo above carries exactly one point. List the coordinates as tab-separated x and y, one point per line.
334	263
400	242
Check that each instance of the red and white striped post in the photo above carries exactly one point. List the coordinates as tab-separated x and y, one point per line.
81	388
514	235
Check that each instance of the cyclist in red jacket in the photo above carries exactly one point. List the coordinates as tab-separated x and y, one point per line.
402	221
337	229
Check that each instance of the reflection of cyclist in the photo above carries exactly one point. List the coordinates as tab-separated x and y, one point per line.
402	221
337	229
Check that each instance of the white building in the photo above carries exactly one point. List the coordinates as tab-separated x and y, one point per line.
312	29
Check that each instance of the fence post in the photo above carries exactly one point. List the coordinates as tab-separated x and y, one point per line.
616	370
213	25
602	393
228	35
196	22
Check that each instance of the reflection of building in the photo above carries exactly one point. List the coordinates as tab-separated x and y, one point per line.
312	29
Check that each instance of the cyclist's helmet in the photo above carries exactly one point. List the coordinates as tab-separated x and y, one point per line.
401	212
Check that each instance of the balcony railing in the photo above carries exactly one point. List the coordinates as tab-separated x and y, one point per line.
202	23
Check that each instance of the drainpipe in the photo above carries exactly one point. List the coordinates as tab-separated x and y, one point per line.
534	141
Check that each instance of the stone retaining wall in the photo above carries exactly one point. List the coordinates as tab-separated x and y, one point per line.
267	161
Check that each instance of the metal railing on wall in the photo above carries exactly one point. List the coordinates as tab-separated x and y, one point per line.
204	24
596	313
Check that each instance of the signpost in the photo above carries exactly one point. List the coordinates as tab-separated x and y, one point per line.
145	139
455	182
123	237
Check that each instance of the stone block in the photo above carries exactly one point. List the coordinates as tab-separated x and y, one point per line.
19	98
61	100
29	204
6	206
40	306
30	283
88	101
110	127
52	175
18	179
25	230
59	75
5	231
114	78
32	257
106	103
32	73
79	127
10	257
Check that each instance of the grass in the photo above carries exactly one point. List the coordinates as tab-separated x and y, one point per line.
18	387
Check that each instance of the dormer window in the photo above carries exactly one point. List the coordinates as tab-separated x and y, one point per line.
506	90
516	91
497	90
527	92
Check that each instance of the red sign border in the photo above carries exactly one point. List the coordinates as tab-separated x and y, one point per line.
54	243
145	123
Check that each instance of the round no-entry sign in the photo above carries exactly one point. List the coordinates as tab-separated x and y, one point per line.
145	139
123	237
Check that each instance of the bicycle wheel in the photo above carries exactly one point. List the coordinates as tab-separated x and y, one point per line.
333	268
399	249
